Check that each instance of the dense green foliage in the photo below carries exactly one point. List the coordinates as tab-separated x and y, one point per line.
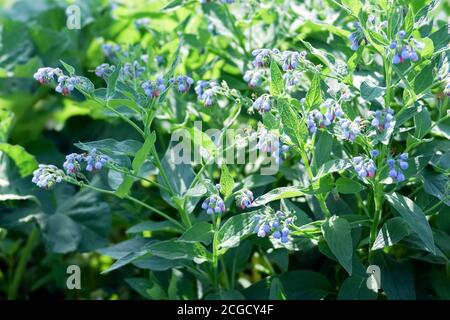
347	99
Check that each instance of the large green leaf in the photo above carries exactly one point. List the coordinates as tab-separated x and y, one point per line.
414	217
24	161
394	230
355	288
337	233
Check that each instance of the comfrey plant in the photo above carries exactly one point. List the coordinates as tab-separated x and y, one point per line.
357	124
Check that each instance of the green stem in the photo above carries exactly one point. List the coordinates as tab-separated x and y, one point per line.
25	256
215	261
319	197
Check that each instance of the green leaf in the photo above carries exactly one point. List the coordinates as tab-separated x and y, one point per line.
370	92
408	24
424	79
201	139
236	228
393	230
140	285
174	249
23	160
437	185
314	96
337	233
111	83
414	217
322	150
276	290
397	278
278	194
346	185
333	166
305	285
292	125
355	288
199	232
353	5
276	79
68	67
422	120
141	155
226	182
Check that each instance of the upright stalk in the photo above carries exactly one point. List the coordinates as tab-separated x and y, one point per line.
23	260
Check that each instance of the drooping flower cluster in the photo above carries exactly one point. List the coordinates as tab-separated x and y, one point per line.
268	141
133	70
331	111
66	84
396	167
213	204
263	57
245	199
104	70
47	74
253	78
262	103
153	88
349	130
94	161
405	49
183	83
291	59
276	225
382	119
364	167
356	37
46	176
206	90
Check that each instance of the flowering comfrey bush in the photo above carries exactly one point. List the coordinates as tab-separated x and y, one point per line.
349	108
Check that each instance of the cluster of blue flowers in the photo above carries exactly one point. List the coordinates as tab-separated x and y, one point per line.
315	119
263	57
349	130
133	70
46	75
276	225
104	70
291	59
382	119
46	176
253	78
365	167
153	88
213	204
269	142
262	104
183	83
396	167
245	199
109	50
356	37
405	49
206	91
94	161
66	84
